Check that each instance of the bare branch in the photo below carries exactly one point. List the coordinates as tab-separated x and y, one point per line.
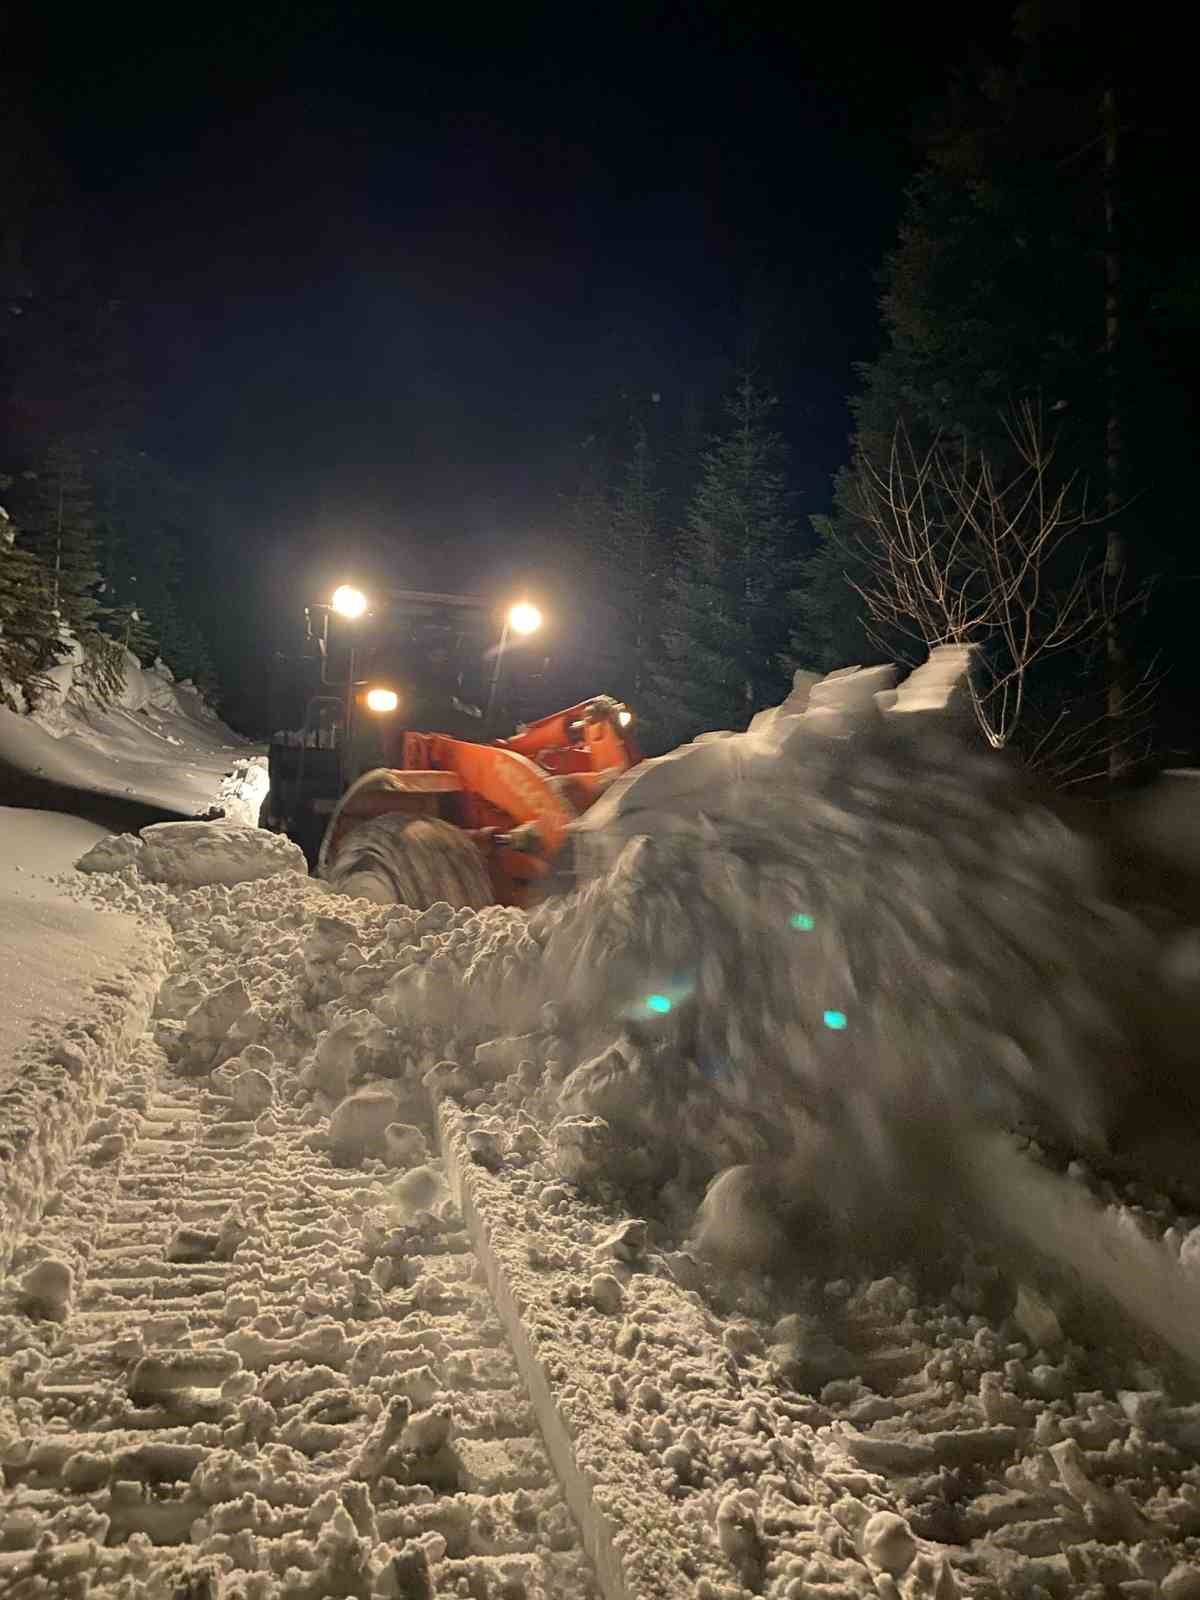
951	553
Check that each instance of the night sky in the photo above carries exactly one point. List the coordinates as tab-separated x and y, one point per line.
383	274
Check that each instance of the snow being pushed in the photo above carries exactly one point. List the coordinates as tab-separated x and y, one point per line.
861	927
190	855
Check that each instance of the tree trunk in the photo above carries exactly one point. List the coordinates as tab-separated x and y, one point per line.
1117	661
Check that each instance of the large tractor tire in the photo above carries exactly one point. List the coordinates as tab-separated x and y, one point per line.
411	861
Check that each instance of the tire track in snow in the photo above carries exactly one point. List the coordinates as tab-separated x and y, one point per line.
855	1437
257	1389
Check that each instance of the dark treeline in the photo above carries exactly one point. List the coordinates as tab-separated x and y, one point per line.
1045	278
98	541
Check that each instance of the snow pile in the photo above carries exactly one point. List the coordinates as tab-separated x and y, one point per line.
65	702
854	952
243	790
188	854
860	921
826	954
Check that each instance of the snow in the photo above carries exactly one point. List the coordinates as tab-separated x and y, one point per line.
397	1230
160	746
193	853
42	843
52	949
243	790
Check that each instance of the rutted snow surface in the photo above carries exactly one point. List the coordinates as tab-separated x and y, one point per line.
253	1339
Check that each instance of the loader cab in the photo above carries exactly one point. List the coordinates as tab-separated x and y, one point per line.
434	675
434	652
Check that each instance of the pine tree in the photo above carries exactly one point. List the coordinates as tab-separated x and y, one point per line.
725	616
28	627
158	516
61	531
636	554
618	520
127	619
829	628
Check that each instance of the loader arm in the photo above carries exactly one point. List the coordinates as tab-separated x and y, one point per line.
514	799
587	746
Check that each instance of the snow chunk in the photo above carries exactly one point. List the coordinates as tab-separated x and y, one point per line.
581	1149
47	1289
114	854
242	792
940	686
1181	1583
606	1293
358	1127
191	854
888	1542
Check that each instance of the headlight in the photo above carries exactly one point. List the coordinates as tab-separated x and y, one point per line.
625	717
524	618
382	700
348	601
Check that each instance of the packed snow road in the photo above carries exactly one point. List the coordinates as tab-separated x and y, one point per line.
420	1254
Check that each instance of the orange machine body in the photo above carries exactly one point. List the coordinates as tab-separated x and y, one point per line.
516	797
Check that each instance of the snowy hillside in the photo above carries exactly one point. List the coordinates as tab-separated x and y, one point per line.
158	744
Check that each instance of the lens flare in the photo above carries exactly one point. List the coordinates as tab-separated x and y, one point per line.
348	601
835	1020
524	618
660	1004
801	920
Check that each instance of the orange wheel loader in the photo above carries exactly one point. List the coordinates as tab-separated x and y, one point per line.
392	786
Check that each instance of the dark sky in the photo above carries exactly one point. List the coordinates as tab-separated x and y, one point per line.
385	272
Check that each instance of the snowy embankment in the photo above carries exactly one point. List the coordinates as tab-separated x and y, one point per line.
52	950
78	983
78	986
706	1131
158	745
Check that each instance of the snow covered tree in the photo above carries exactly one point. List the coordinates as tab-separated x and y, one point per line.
724	618
61	531
28	626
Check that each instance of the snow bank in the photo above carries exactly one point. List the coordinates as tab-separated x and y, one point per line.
190	854
78	985
66	703
159	745
53	951
54	1085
